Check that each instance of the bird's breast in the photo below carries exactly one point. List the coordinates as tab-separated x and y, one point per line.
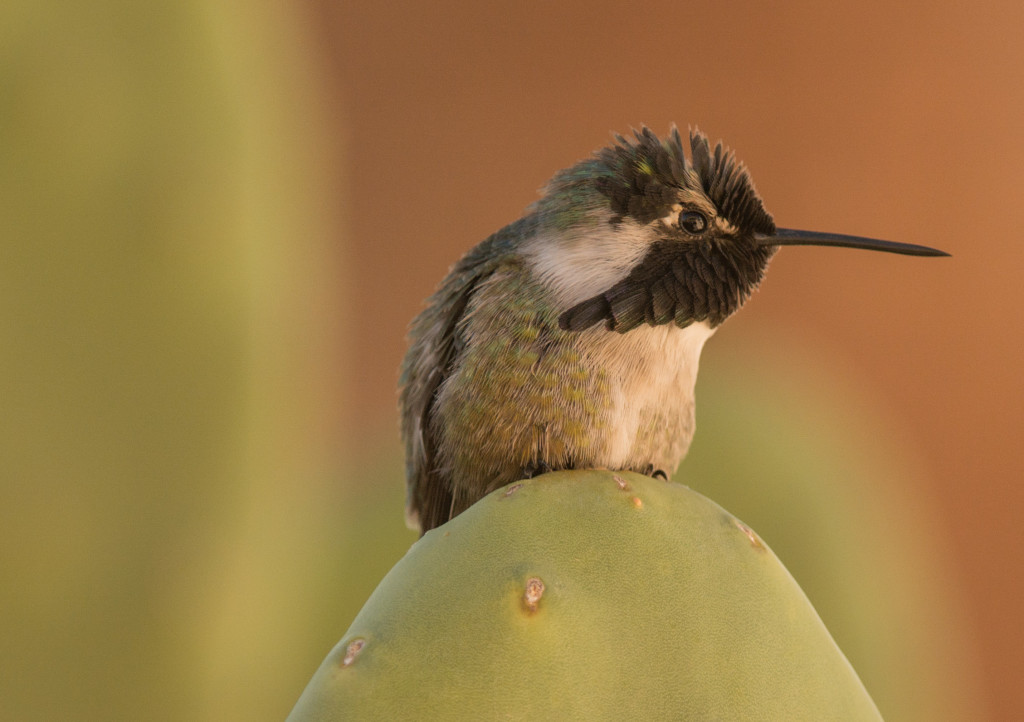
651	372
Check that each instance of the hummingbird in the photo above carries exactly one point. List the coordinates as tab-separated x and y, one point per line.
570	338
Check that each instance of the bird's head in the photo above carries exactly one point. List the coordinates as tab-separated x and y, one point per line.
641	234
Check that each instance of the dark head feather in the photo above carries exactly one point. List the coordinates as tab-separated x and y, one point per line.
727	183
642	176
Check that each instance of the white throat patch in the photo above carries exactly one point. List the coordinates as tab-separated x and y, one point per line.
578	266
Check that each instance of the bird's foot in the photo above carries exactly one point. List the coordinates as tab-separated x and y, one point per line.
650	471
536	468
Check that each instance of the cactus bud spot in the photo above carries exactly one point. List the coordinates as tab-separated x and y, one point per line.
623	484
534	591
638	502
352	651
755	541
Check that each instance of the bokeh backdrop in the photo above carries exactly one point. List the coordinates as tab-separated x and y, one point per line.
217	219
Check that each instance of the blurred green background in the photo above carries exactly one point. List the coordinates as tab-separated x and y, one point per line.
217	218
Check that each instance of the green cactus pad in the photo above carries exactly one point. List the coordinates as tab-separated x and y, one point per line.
588	595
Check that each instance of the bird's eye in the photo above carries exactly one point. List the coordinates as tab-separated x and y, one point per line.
693	222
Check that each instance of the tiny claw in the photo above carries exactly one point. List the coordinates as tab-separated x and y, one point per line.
536	468
650	471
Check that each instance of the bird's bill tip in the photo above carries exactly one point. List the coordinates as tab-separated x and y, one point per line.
791	237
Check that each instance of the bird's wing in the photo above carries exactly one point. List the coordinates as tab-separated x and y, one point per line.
435	344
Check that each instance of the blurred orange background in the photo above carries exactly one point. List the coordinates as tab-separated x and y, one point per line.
220	217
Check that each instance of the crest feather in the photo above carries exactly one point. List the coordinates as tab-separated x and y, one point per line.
642	174
728	184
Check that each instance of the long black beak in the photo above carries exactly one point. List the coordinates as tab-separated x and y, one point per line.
790	237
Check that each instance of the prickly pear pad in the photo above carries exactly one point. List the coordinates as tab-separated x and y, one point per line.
588	595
